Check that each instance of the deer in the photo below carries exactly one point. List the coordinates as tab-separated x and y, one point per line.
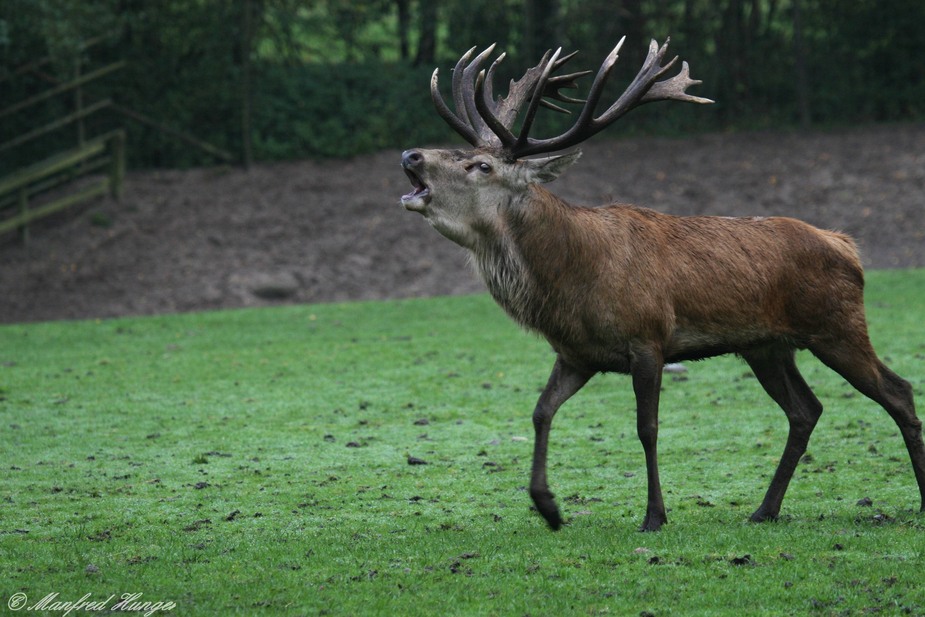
624	289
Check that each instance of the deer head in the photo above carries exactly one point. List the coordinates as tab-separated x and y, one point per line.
461	191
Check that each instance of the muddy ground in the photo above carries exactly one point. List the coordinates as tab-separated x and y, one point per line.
309	231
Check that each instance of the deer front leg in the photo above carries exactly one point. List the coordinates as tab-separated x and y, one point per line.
563	383
646	370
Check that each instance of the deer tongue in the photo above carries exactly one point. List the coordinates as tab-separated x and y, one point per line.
420	189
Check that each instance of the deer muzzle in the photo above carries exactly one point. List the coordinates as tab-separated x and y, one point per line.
411	162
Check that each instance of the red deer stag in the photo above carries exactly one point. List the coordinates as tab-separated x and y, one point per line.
626	289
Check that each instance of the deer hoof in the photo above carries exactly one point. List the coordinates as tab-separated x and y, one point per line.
762	517
553	518
546	506
653	523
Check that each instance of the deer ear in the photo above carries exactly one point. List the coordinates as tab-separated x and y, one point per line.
548	168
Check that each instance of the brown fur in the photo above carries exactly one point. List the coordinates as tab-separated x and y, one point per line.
695	286
627	289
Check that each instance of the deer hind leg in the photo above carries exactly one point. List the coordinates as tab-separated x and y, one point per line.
563	383
776	370
853	357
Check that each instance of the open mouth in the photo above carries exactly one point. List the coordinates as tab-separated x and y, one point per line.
420	190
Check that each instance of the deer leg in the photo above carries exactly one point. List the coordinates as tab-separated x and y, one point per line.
777	372
564	381
646	370
855	360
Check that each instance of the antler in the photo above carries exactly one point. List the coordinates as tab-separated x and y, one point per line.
493	129
484	122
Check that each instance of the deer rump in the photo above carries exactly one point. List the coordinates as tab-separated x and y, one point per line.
594	280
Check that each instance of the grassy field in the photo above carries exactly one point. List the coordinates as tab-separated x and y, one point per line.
257	462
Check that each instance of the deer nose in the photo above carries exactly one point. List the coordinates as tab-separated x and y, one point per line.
410	158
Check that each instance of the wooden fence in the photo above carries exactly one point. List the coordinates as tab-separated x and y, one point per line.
23	195
105	153
95	166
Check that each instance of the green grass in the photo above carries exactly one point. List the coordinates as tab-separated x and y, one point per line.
255	462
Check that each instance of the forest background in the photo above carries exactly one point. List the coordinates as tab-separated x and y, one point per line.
290	79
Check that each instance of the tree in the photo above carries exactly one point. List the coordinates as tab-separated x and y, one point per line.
427	43
801	75
404	27
542	27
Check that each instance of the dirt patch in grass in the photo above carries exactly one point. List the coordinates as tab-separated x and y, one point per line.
309	231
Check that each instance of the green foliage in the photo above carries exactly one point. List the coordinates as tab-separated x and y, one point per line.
256	462
325	110
57	28
50	36
334	78
866	61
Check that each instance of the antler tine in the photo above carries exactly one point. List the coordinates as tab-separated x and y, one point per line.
555	83
675	87
597	88
490	79
644	88
451	118
558	82
538	92
518	91
461	126
458	89
500	115
651	70
465	120
484	107
564	81
561	61
468	78
536	83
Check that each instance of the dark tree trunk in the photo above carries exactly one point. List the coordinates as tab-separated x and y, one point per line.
542	27
799	60
404	27
427	45
637	37
247	43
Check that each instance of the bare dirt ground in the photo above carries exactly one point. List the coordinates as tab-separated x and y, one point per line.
308	231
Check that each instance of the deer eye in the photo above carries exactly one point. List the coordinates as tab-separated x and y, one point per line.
482	167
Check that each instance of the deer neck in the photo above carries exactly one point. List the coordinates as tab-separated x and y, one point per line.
509	258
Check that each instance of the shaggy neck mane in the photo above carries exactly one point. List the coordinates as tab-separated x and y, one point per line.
507	270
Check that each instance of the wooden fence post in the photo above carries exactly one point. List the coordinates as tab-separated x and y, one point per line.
24	210
117	170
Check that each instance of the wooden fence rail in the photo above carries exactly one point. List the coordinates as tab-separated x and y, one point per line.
64	87
57	124
106	152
